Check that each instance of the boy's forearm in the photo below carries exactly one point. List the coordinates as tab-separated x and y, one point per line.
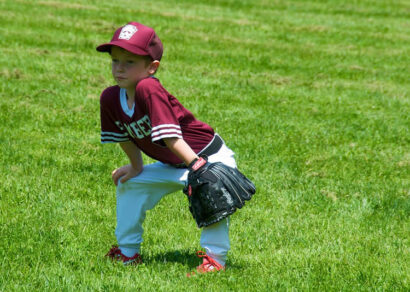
181	149
133	153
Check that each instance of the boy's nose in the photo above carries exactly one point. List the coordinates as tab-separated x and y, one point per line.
120	67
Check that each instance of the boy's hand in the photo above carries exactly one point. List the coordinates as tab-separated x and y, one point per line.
127	171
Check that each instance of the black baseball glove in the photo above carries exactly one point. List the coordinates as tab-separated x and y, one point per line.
215	191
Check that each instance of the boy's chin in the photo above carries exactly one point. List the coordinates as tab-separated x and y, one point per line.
126	85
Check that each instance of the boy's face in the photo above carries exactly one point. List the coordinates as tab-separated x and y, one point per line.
128	69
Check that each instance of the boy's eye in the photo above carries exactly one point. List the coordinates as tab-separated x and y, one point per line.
130	61
114	60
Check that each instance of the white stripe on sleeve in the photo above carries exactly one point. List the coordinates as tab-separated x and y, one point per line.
166	126
174	135
114	134
114	139
165	131
105	141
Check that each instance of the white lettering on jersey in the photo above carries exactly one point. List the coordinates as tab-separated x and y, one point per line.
138	129
145	125
118	123
130	131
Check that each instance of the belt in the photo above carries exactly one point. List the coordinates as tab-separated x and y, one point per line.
213	147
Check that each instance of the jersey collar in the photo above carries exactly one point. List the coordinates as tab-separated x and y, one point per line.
123	99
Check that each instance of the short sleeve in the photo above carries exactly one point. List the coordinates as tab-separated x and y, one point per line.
162	112
112	130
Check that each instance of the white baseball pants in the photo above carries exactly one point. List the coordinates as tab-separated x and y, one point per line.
144	191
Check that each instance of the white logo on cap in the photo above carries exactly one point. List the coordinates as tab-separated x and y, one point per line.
127	32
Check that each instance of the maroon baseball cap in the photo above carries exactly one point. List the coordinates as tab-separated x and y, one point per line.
137	39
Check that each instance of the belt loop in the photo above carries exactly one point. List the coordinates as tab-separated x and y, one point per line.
213	147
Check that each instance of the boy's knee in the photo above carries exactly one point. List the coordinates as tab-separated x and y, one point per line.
129	186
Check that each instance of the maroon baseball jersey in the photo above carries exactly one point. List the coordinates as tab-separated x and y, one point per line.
156	115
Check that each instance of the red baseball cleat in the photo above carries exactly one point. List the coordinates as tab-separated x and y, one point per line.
116	254
208	265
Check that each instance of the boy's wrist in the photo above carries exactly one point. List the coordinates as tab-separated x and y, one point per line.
181	149
191	160
197	163
136	167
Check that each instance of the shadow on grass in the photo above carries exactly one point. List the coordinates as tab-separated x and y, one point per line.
185	257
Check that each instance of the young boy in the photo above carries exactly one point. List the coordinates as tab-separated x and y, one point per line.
140	115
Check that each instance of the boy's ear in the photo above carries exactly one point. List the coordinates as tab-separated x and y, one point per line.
153	67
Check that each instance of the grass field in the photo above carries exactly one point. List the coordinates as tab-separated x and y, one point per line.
313	96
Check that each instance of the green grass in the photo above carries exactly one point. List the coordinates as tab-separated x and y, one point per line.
313	96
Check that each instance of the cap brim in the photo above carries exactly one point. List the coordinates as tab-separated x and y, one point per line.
132	49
